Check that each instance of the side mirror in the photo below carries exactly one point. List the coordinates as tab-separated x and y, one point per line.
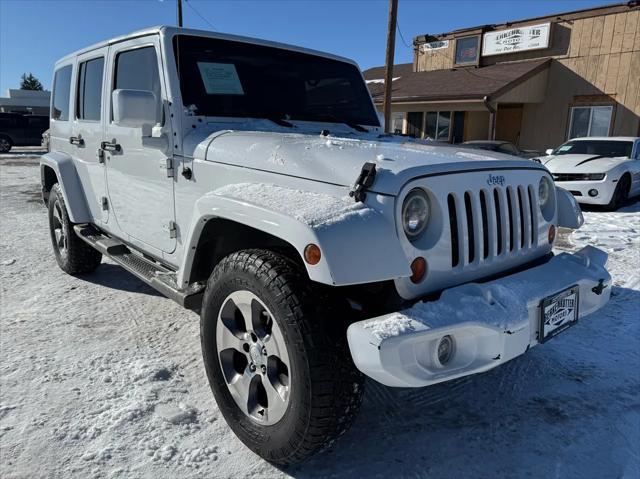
134	108
548	151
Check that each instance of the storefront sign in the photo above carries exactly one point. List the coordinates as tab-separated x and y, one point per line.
531	37
427	47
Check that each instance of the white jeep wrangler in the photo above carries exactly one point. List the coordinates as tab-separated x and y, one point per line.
250	181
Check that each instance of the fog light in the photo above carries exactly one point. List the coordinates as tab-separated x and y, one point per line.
593	192
418	269
552	234
445	350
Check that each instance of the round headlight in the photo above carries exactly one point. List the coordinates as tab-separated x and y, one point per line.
544	191
415	213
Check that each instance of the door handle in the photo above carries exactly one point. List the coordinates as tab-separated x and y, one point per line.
108	146
76	140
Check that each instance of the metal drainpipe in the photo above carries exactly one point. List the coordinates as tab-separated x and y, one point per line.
492	118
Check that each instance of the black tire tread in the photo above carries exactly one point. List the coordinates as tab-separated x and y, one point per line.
336	385
81	258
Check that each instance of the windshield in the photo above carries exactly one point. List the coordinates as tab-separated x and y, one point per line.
596	147
229	78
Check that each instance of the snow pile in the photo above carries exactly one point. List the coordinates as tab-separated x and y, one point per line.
100	377
314	209
491	304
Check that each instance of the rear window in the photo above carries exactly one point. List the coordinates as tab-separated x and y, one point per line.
61	94
605	148
90	89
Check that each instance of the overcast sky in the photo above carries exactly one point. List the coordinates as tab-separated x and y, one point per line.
35	33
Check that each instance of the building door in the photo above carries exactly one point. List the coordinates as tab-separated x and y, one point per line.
509	123
458	127
140	189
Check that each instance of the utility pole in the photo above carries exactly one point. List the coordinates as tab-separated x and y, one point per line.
179	12
388	72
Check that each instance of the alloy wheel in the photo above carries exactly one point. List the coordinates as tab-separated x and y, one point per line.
253	357
58	230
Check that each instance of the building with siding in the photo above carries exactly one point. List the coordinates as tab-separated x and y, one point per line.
534	82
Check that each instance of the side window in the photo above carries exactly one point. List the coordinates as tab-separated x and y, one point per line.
138	70
89	97
61	94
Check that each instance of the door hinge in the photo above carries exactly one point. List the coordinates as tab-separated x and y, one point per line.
167	164
100	155
105	203
171	228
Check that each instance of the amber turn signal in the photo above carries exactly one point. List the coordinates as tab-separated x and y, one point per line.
418	269
312	254
552	234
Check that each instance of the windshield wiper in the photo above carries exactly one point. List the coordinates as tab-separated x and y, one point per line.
333	118
280	121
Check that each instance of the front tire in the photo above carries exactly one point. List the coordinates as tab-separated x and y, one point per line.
620	194
73	255
303	391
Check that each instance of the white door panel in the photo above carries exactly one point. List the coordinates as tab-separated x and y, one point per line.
140	193
88	128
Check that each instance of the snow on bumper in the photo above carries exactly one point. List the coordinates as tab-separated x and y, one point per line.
490	323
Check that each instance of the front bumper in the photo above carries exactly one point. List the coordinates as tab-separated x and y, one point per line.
490	323
580	190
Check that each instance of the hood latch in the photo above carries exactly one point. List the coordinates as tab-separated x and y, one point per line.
365	180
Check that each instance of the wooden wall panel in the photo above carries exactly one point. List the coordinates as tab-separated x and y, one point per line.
630	31
623	77
612	74
576	32
618	33
596	35
607	34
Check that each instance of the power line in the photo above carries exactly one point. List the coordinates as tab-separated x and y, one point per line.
401	36
199	14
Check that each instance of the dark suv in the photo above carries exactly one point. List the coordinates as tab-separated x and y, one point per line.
21	130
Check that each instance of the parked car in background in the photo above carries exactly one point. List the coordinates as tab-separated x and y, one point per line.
597	170
21	130
501	147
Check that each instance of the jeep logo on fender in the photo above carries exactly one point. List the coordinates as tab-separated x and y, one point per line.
495	180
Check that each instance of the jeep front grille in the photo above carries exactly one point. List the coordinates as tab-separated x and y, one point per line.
491	223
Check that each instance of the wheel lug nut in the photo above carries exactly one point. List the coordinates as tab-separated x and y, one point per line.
252	368
264	351
263	368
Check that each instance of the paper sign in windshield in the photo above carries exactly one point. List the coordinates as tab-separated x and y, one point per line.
220	78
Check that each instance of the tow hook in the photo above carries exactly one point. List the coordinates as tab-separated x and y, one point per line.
365	180
600	288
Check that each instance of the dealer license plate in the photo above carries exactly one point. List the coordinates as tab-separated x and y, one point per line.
558	312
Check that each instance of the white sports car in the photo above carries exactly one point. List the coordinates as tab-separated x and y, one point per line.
597	170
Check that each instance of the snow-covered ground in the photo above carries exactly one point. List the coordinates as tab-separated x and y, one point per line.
102	377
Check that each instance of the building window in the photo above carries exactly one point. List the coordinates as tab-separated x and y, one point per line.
467	50
438	125
90	89
397	122
414	124
61	94
590	121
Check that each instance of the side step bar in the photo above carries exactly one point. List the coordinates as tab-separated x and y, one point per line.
154	274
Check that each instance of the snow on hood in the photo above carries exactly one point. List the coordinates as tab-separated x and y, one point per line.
580	163
338	160
314	209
